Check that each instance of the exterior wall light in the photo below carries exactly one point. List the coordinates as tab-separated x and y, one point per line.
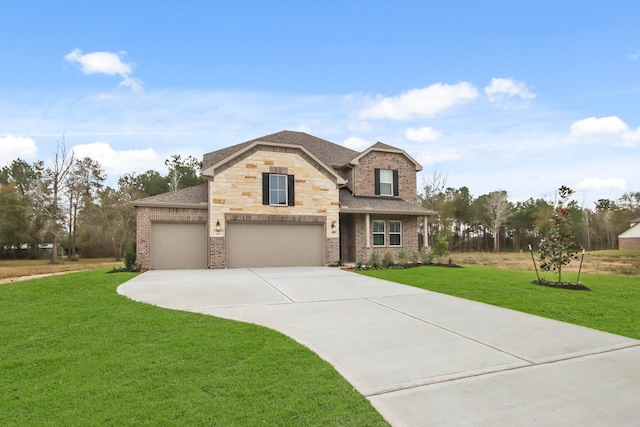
334	228
218	225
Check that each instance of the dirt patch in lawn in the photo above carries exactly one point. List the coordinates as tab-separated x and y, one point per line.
596	262
18	270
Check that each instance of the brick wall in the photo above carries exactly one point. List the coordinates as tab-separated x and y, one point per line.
409	237
147	215
364	174
629	243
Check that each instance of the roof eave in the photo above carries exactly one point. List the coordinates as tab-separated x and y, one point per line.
347	209
170	205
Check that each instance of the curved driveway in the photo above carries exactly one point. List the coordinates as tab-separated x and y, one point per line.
423	358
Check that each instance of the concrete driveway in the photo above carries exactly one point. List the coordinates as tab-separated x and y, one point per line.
423	358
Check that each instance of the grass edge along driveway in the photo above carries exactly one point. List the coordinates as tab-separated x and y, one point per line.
611	305
74	352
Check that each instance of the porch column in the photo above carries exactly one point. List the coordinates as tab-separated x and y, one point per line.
367	222
425	234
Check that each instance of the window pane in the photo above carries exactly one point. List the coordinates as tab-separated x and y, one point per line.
386	182
278	189
394	226
378	226
378	239
394	239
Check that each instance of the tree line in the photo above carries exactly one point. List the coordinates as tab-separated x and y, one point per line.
491	222
66	204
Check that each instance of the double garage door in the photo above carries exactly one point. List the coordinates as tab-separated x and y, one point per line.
248	244
259	244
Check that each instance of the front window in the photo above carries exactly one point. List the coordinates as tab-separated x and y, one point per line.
278	190
378	233
386	183
395	233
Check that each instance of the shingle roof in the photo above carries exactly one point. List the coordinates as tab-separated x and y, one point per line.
193	196
383	146
377	204
328	152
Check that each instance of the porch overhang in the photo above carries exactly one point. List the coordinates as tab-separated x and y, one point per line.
379	205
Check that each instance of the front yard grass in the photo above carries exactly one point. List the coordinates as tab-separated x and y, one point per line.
74	352
612	305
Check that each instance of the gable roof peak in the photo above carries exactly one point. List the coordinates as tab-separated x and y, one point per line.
329	153
381	146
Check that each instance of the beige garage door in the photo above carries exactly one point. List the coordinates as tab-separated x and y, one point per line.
178	245
274	244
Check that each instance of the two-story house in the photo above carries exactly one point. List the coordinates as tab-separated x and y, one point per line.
286	199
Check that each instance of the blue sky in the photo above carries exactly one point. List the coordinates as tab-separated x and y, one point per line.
518	96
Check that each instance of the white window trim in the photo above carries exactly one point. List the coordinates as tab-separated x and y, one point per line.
390	182
399	233
286	190
383	233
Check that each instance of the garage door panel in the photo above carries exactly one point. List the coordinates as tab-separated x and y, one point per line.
274	244
178	245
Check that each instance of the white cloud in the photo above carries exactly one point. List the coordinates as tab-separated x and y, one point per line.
356	143
13	147
631	138
422	134
425	102
120	162
433	156
503	89
106	63
598	126
634	56
602	184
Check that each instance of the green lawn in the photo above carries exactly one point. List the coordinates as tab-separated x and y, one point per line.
73	352
612	305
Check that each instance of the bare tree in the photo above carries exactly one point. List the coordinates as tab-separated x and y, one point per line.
432	188
432	197
61	165
84	178
497	212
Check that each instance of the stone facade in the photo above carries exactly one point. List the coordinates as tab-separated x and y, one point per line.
147	215
236	192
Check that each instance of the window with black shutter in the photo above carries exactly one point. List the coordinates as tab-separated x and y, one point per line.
278	189
386	182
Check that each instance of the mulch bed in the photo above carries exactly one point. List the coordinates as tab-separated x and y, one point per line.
403	266
561	285
124	270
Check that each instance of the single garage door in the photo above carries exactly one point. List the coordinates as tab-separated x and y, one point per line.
178	245
259	244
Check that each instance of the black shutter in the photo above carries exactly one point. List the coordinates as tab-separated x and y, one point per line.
265	188
291	199
377	181
395	183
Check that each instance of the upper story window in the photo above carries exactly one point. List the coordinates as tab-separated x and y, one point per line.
278	189
386	182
